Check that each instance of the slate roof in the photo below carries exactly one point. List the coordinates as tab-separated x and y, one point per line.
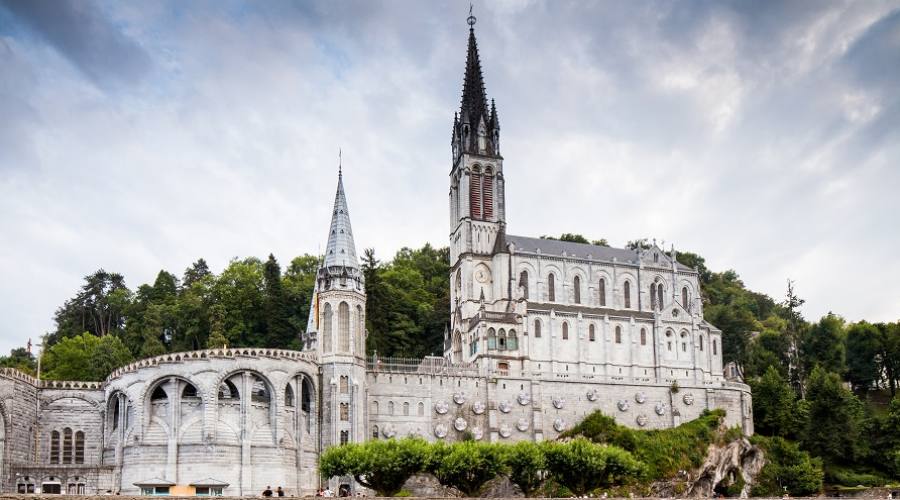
577	250
154	482
210	482
341	250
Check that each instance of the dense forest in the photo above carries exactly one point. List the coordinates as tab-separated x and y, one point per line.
825	385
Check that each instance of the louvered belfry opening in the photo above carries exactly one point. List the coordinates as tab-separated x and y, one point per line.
475	195
487	196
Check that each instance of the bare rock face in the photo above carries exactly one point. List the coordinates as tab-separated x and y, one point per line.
738	462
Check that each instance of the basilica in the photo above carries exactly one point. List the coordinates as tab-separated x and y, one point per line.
540	334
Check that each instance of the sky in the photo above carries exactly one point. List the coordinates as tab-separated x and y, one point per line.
139	136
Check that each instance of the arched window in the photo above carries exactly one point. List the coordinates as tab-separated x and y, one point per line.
189	391
259	391
715	348
487	195
601	292
306	390
289	396
565	333
684	298
537	328
576	285
54	447
406	408
512	342
421	409
627	295
67	446
360	331
501	339
652	296
344	384
592	335
643	336
475	193
700	339
551	288
390	407
458	283
374	432
344	325
158	394
326	329
618	334
79	447
523	284
492	338
659	296
345	437
228	391
374	407
669	340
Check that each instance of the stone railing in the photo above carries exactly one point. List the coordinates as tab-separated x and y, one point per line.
48	384
179	357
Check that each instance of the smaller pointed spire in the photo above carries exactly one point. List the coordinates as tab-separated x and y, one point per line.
341	250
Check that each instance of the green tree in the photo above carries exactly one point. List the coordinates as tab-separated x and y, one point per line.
768	350
775	411
21	359
862	355
582	466
198	271
465	465
98	308
217	339
835	425
787	470
382	465
85	357
280	332
525	463
823	345
889	354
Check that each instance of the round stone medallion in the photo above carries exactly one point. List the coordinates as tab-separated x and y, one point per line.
523	398
389	431
478	407
559	424
640	398
504	406
505	431
592	395
459	398
460	424
660	408
688	399
558	403
522	424
642	420
440	430
441	407
477	433
622	405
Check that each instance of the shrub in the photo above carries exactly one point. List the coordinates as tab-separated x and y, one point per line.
582	466
525	462
382	465
787	469
465	465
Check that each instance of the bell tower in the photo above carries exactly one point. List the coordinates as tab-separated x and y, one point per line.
478	255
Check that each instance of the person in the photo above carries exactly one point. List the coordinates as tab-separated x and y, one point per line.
280	491
267	492
320	492
328	493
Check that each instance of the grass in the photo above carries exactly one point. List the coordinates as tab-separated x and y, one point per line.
664	451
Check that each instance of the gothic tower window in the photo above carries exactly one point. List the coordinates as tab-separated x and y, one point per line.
475	193
79	447
344	325
659	296
592	334
501	339
344	384
643	336
601	291
360	331
458	284
54	447
627	288
576	285
487	194
652	296
683	342
684	298
512	342
551	288
537	328
326	328
618	334
492	339
523	284
345	437
565	331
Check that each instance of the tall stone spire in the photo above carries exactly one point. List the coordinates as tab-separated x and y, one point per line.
476	128
341	250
